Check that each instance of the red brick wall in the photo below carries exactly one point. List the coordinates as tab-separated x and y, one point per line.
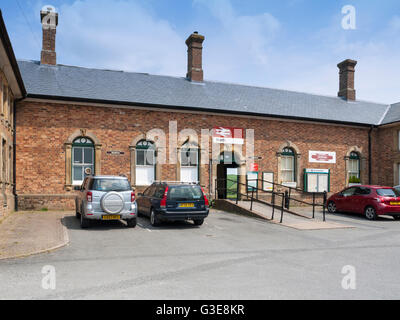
43	128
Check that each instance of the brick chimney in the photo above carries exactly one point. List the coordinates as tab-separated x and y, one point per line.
346	79
195	63
49	20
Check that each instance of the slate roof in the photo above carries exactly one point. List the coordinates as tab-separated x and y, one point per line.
107	86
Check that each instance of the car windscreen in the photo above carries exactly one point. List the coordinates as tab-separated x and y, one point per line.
183	193
387	192
110	185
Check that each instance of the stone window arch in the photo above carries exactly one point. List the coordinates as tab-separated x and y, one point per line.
288	157
81	138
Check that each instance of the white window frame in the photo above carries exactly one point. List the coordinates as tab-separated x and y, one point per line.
189	166
284	170
145	166
83	164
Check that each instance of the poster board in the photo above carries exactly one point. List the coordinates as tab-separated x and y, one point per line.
268	178
252	177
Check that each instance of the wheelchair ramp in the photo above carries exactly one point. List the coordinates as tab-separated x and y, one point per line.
264	211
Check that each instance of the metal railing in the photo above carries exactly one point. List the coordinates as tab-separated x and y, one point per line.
252	198
286	196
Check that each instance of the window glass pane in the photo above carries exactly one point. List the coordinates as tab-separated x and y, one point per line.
386	192
185	193
189	174
140	157
77	173
144	176
349	192
88	155
194	157
185	156
111	185
149	157
77	155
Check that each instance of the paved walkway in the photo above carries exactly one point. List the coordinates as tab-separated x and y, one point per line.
291	220
26	233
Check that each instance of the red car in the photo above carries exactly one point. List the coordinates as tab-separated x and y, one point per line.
368	200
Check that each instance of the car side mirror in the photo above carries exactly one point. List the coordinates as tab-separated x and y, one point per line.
77	188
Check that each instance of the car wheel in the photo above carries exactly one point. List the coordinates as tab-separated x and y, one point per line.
198	222
77	213
84	222
153	218
131	223
396	217
332	207
370	213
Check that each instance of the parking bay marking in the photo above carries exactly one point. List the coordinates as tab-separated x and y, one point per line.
143	227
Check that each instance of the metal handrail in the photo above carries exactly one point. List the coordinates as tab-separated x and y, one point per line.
286	197
252	198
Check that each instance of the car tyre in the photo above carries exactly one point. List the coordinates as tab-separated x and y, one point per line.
370	213
84	222
131	223
198	222
153	218
396	217
77	213
332	207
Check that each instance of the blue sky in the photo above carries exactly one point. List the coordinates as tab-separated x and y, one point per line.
288	44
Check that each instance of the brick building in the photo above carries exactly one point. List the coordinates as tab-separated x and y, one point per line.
74	120
11	89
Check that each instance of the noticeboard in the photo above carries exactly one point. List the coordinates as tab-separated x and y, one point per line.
317	180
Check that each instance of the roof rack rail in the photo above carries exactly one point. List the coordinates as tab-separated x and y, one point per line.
177	182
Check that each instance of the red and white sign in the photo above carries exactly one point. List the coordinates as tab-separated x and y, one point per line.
228	135
322	157
254	167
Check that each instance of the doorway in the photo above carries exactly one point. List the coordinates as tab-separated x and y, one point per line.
227	176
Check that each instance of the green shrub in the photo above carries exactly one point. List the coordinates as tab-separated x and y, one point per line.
354	179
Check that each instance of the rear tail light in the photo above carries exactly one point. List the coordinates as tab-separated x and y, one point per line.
89	196
205	198
163	203
133	197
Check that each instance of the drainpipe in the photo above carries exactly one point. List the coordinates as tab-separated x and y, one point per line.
15	153
370	155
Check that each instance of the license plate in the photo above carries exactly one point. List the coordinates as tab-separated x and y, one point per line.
395	203
186	205
112	217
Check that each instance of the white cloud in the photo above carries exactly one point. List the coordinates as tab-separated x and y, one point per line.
118	35
250	49
237	47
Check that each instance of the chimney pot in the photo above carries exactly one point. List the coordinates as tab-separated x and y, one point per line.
49	20
346	79
195	58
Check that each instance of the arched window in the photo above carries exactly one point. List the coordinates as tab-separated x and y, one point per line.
145	163
82	159
288	165
354	165
189	158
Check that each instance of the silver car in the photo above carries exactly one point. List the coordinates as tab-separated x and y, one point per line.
106	198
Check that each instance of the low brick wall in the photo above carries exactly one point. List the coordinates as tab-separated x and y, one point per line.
46	201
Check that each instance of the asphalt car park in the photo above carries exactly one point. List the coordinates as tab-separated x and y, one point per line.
228	257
